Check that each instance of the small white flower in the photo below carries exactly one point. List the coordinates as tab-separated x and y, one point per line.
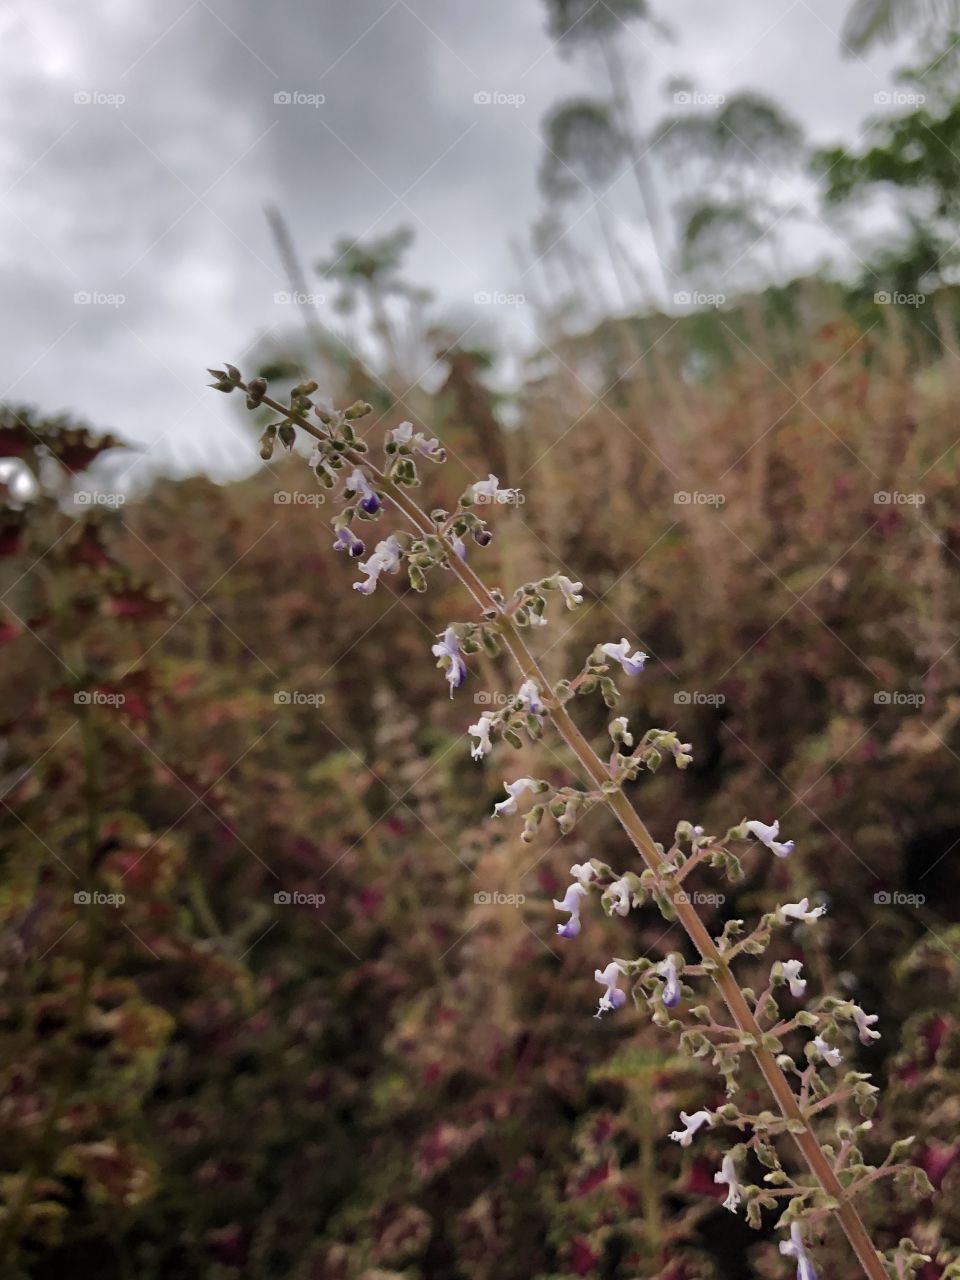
385	559
489	491
831	1056
799	911
514	790
481	731
613	997
728	1174
865	1023
447	650
528	698
632	663
795	1248
791	971
690	1126
619	731
571	591
768	835
622	894
428	446
571	903
584	872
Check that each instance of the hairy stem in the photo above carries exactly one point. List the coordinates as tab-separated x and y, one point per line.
594	768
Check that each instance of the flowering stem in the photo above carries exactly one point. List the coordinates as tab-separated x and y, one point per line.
594	768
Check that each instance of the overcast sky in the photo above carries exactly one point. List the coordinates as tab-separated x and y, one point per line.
141	141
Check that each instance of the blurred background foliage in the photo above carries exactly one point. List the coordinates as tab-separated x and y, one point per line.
199	714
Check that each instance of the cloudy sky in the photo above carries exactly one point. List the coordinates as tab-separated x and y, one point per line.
142	140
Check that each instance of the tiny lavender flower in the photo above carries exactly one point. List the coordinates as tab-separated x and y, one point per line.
864	1023
613	997
799	911
768	835
528	697
385	558
690	1126
447	650
728	1174
632	663
481	731
358	483
427	446
570	591
348	541
572	901
514	790
791	971
795	1248
831	1056
489	491
667	969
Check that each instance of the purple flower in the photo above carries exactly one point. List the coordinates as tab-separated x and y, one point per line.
572	901
632	663
667	969
358	483
831	1056
795	1248
613	997
528	698
447	650
768	835
348	541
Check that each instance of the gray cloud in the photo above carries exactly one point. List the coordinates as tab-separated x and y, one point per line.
160	199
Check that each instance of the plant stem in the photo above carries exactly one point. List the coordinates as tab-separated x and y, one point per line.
721	975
